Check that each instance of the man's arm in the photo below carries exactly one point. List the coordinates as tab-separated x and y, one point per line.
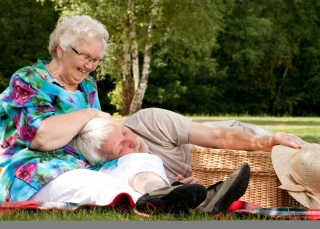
222	138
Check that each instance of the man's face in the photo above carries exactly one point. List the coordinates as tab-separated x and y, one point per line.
122	141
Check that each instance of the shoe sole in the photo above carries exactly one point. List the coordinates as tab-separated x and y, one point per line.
180	199
232	189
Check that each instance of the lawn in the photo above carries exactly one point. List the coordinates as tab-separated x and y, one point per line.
307	128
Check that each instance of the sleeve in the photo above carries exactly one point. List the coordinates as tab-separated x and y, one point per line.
160	126
26	104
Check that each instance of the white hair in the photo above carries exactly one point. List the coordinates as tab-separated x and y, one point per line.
89	140
70	30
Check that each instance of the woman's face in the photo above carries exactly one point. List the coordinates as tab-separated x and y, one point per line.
75	67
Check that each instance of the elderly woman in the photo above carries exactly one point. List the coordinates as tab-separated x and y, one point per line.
45	106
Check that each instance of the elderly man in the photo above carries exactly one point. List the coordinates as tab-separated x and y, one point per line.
169	135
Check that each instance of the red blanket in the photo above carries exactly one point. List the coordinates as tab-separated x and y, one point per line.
238	207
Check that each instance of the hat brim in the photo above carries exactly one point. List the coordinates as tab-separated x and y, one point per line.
281	157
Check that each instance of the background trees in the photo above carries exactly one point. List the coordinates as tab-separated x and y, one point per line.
267	56
136	26
24	34
192	57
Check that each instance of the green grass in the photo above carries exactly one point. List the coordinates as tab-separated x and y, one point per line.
113	214
306	128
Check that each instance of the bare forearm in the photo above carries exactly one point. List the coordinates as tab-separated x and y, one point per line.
238	140
233	139
58	130
224	138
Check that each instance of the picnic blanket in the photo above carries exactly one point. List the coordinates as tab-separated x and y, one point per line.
122	199
239	207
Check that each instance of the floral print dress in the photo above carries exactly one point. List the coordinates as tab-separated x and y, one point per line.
33	95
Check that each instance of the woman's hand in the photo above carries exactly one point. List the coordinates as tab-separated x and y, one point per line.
102	114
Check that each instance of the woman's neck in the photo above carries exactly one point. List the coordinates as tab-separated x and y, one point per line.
53	69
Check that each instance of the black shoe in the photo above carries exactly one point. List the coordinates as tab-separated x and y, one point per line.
172	199
222	194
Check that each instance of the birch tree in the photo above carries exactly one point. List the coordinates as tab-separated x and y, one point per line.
135	26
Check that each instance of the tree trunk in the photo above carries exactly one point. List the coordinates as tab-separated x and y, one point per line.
276	100
127	92
136	103
134	47
135	63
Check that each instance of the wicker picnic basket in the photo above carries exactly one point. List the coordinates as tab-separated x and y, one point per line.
212	165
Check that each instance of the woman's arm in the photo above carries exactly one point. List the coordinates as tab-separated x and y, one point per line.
222	138
58	130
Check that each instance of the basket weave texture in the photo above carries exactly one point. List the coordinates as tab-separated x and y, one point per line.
211	165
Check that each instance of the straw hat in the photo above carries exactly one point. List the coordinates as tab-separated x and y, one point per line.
299	172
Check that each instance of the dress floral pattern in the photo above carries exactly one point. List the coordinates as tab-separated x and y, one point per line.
33	95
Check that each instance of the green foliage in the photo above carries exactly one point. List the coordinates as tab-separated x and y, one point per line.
190	25
115	96
24	34
210	56
266	62
106	85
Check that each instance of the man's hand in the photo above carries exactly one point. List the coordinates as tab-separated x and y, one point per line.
285	139
188	180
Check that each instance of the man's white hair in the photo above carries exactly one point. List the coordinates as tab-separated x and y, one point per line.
89	140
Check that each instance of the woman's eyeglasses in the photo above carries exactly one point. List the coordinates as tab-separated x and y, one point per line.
86	58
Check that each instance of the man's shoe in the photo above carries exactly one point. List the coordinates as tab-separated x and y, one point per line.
172	199
222	194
